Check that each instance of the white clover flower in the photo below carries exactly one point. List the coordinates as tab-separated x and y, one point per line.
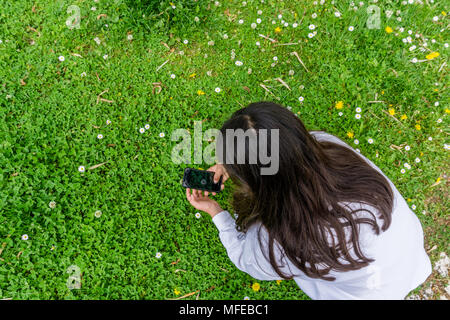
340	114
225	36
141	130
401	29
162	135
108	122
147	126
436	103
399	19
291	72
430	138
97	40
294	25
253	25
93	8
130	37
356	141
83	74
158	255
81	168
314	15
259	12
25	237
198	215
52	204
210	43
61	58
209	73
238	63
370	140
98	214
105	56
217	89
241	21
99	136
358	116
196	19
446	45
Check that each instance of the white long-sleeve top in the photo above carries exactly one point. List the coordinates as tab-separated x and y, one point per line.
401	262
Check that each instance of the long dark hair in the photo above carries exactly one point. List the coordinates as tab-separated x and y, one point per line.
299	204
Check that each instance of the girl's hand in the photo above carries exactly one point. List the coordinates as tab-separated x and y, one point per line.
202	202
219	171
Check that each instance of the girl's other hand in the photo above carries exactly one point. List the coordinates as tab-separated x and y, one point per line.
201	201
219	170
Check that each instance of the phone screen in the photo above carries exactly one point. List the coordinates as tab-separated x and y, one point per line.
200	180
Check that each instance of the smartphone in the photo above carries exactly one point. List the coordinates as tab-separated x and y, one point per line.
201	180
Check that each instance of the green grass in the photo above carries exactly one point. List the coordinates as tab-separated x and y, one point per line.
50	117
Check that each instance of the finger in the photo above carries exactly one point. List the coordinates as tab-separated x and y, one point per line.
213	193
206	193
196	193
188	194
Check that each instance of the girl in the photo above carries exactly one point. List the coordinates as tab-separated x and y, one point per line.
329	218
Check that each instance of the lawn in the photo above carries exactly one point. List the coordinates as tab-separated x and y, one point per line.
75	93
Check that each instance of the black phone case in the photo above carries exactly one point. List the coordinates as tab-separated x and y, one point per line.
186	184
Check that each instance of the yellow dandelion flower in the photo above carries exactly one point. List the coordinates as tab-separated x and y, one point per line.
403	117
432	55
417	126
176	291
256	286
391	111
388	29
409	200
339	105
192	75
438	179
421	153
200	92
277	29
444	13
350	134
171	98
382	91
278	282
447	110
435	90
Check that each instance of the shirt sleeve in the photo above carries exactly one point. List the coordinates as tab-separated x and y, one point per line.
243	249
